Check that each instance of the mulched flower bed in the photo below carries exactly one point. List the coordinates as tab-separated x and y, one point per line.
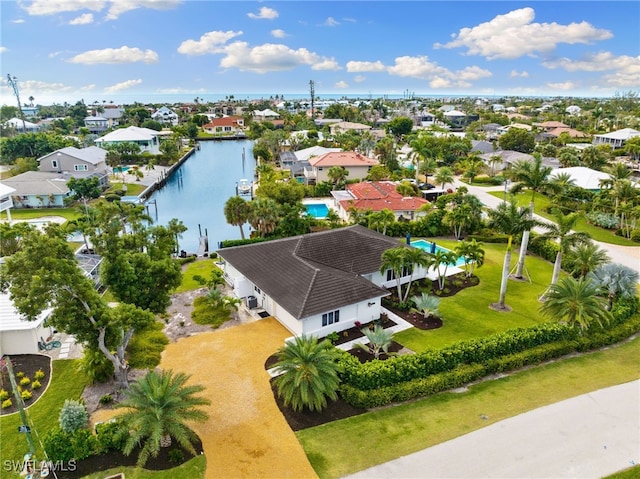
27	364
112	459
365	356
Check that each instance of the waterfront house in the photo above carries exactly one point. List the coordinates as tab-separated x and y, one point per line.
145	138
298	161
356	164
615	139
38	189
317	283
265	115
77	163
166	116
227	125
377	196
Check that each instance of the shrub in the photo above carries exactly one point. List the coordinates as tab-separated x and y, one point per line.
176	456
26	395
19	374
111	197
96	366
544	248
25	381
106	399
333	337
603	220
635	236
4	394
73	416
110	436
58	445
146	346
36	384
39	374
7	403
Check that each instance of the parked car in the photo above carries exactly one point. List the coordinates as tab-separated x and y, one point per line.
426	186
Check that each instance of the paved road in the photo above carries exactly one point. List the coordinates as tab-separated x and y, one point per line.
626	255
589	436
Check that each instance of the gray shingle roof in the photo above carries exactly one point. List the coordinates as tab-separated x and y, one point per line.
314	273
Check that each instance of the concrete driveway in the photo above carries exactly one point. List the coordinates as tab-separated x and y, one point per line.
246	435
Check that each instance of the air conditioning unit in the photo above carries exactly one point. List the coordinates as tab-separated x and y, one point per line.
252	302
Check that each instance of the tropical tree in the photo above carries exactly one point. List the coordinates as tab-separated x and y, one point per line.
159	406
494	161
616	279
558	185
379	341
307	373
405	189
511	220
263	215
441	261
337	175
443	176
533	176
421	151
586	257
473	255
561	230
426	305
517	139
381	220
576	302
236	212
472	166
402	261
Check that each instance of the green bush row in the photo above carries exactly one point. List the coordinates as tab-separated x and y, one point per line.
82	443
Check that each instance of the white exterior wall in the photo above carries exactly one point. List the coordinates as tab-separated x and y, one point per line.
364	312
24	341
381	279
354	172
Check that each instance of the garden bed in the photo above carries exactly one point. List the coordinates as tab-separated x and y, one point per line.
365	356
27	364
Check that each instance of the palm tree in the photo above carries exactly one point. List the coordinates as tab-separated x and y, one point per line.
426	305
534	176
561	230
441	261
576	302
263	215
473	255
558	185
421	147
472	166
337	174
236	212
158	407
402	260
444	176
616	279
494	161
586	257
405	189
379	341
308	373
508	219
381	220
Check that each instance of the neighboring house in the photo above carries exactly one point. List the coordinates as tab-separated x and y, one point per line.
38	189
491	130
6	202
553	129
573	110
17	335
615	139
508	157
113	115
481	146
96	124
165	116
424	118
377	196
503	129
317	283
321	122
145	138
265	115
344	126
24	127
583	177
460	119
297	162
228	125
30	111
77	163
356	164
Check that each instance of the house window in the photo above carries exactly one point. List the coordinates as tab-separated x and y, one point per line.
54	163
330	318
80	167
406	271
257	290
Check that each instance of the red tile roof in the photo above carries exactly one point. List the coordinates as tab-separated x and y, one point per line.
225	121
380	195
342	158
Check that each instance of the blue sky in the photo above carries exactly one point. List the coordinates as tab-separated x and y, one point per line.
65	50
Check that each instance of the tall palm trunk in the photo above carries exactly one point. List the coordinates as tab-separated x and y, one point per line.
556	267
505	276
523	246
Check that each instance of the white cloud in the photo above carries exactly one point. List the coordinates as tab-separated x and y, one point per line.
83	19
564	86
125	85
210	42
271	57
3	49
54	54
516	74
514	34
331	22
358	67
342	84
116	55
178	90
18	21
265	13
438	76
118	7
349	19
625	69
278	33
359	78
52	7
35	87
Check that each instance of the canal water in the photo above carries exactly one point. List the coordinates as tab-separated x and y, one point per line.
197	191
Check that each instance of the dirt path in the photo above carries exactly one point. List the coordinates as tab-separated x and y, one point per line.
246	436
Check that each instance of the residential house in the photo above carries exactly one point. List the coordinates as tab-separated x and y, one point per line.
508	158
615	139
19	125
460	119
166	116
491	130
227	125
357	165
145	138
317	283
377	196
96	124
424	119
17	334
265	115
30	111
113	114
6	202
344	126
583	177
77	163
38	189
553	129
298	161
573	110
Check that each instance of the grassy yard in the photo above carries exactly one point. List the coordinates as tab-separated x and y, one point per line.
596	233
133	189
32	213
67	383
202	268
467	314
385	434
193	469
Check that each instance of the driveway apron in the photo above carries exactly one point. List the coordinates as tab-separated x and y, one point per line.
246	435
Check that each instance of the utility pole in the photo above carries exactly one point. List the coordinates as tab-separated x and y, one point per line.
313	101
13	82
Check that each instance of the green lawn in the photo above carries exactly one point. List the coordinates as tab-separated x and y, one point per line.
133	189
631	473
382	435
467	314
193	469
67	383
33	213
202	268
596	233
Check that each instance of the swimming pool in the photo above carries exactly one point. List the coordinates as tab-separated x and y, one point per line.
317	210
428	246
